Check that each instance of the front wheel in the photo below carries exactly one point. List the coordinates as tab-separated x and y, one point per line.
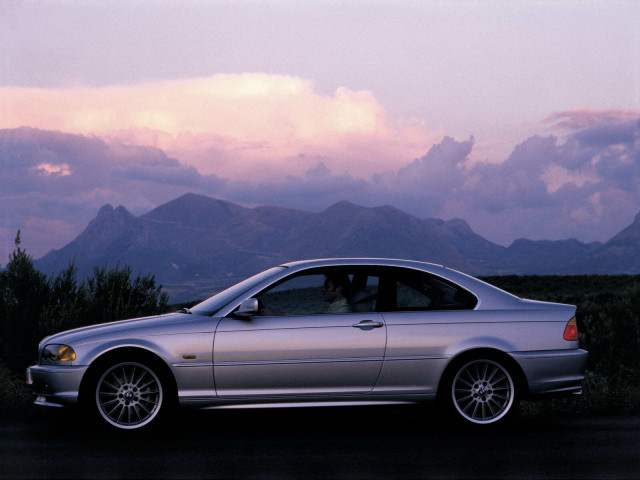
483	391
129	395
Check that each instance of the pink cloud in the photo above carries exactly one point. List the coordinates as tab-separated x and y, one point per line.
587	117
231	125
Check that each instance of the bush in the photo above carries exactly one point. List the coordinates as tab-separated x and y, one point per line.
14	393
23	295
33	307
609	323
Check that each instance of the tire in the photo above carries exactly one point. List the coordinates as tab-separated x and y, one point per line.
482	392
129	395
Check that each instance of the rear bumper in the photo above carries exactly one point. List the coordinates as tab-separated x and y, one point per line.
553	372
55	386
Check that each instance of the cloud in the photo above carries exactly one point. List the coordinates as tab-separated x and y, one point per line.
584	185
237	126
608	133
57	181
589	117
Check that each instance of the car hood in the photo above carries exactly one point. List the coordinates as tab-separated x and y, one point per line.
165	322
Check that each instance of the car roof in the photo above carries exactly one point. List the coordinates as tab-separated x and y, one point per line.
323	262
376	262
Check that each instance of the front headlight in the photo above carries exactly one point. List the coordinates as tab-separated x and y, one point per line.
58	353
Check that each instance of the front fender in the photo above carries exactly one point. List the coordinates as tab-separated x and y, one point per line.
89	354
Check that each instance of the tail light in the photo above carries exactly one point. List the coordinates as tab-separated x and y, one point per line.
571	331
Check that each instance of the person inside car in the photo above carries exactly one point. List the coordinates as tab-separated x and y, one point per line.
336	290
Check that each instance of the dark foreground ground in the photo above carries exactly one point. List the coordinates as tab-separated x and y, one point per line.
331	443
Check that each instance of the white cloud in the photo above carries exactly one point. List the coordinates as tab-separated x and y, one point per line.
49	169
556	177
231	125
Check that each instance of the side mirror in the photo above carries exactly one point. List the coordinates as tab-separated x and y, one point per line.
248	308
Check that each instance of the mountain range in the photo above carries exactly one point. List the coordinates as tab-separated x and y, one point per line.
196	245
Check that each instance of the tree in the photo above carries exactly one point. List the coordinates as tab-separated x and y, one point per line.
24	294
33	306
67	305
113	295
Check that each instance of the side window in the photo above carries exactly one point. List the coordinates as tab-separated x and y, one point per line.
410	298
331	291
301	295
364	292
420	291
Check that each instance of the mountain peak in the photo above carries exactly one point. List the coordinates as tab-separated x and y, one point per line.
459	225
108	214
196	211
629	238
342	205
105	211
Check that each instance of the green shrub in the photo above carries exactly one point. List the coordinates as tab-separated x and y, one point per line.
32	306
609	322
14	393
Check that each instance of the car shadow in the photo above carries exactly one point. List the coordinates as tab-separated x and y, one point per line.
292	423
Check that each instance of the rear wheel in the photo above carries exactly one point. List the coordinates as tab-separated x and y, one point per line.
483	391
129	395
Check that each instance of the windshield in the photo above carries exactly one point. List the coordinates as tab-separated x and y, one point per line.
219	300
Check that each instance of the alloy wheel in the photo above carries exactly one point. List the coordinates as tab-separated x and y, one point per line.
129	395
483	391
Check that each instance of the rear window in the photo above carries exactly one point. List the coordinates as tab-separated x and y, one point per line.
411	290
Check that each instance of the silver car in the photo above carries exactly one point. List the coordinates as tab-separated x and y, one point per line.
322	332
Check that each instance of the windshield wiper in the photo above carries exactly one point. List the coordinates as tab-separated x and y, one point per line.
184	310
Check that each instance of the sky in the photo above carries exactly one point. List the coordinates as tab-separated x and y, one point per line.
521	117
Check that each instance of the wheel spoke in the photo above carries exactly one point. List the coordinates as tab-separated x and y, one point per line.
136	410
111	412
110	385
151	403
472	403
146	410
139	380
484	372
490	407
500	406
115	377
110	402
475	410
462	399
471	377
150	382
462	380
501	379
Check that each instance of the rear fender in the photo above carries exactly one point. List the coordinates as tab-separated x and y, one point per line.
480	342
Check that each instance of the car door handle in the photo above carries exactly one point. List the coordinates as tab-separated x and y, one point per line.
368	325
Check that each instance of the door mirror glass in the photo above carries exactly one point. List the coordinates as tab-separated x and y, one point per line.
248	308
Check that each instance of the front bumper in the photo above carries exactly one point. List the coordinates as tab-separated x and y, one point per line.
55	386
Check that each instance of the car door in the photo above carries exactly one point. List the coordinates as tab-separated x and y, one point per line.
296	347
